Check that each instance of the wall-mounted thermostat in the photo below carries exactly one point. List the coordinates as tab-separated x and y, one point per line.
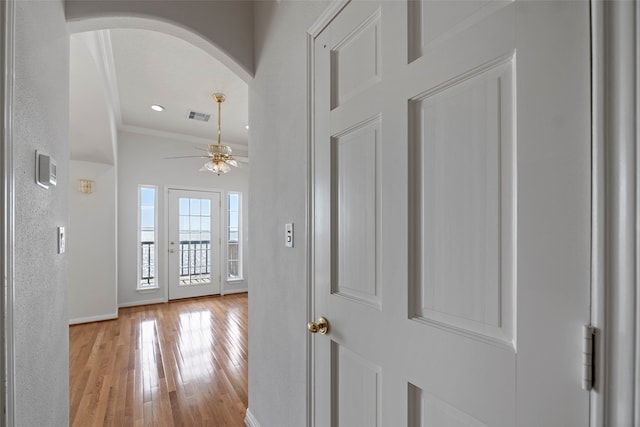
46	174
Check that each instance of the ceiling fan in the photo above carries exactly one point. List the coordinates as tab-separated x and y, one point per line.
219	156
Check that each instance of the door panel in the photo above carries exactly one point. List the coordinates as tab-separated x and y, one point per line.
356	154
461	144
355	60
356	389
443	133
427	410
194	243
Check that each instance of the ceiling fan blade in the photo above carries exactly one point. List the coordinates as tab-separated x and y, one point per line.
242	159
186	157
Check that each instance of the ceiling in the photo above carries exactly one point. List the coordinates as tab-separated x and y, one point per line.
137	68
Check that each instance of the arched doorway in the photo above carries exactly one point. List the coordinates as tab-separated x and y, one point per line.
122	177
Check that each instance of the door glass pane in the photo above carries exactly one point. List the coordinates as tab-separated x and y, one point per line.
184	206
195	241
205	207
184	223
195	206
195	227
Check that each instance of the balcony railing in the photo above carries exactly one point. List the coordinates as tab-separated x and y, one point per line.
194	267
147	264
195	262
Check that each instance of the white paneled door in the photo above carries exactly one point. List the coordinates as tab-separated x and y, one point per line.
194	243
452	214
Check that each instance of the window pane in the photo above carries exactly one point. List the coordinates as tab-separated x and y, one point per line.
233	201
184	223
234	272
184	206
233	252
205	206
195	248
234	249
195	206
195	224
233	234
147	237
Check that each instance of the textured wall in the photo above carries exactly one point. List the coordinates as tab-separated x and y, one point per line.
141	161
278	289
40	123
91	243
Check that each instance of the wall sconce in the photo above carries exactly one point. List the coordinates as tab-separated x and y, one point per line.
86	186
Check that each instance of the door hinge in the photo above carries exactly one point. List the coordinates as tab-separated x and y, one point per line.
588	356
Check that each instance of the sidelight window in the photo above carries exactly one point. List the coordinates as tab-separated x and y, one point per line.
234	234
147	237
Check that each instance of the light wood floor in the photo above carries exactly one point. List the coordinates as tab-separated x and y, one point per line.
178	364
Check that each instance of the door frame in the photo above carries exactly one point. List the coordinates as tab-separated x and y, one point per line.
615	245
163	242
615	26
7	335
332	10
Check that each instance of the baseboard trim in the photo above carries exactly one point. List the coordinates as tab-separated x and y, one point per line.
147	302
250	420
93	318
235	291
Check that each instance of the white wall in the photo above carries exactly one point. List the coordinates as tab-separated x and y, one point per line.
40	122
92	130
91	233
91	243
141	161
278	288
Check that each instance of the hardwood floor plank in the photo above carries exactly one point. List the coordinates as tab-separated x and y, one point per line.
178	364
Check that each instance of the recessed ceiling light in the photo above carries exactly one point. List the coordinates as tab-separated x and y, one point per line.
156	107
246	127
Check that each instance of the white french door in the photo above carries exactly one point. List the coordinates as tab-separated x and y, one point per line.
452	214
194	243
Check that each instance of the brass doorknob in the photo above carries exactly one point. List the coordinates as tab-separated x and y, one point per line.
322	326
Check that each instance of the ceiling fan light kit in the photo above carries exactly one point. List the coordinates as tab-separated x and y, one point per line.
220	155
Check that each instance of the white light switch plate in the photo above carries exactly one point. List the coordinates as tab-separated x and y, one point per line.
288	235
61	240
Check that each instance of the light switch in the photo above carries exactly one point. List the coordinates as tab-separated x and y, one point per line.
61	240
288	235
